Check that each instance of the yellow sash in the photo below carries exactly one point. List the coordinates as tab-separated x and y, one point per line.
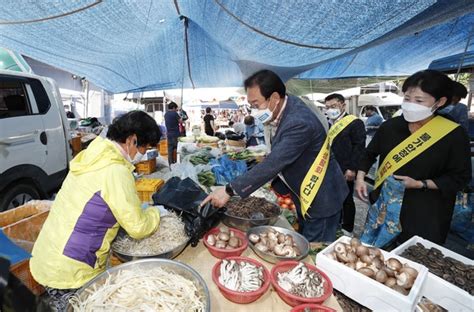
413	146
314	178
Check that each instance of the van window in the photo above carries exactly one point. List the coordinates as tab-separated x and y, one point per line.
13	99
389	111
41	97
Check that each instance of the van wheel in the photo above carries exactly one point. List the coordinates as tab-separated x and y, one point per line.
18	195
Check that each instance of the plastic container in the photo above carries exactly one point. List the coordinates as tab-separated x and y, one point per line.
223	253
147	187
310	307
435	288
367	291
24	224
294	300
147	166
236	296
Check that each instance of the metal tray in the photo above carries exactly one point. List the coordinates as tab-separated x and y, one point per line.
301	242
126	257
171	265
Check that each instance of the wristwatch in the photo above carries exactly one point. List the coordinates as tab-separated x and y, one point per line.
229	190
425	185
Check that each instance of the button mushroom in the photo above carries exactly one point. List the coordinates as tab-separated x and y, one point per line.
394	264
367	272
381	276
254	238
405	280
362	250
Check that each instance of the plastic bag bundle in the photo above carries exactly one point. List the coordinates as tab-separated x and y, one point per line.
226	170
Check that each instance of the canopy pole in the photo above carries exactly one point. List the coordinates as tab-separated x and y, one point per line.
186	43
461	61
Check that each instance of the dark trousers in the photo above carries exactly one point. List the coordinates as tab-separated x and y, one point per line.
319	229
172	148
349	209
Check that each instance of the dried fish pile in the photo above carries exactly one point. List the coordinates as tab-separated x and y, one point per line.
240	276
170	235
247	207
303	282
449	269
141	290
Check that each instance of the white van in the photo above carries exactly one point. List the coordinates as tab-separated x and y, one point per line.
34	136
387	104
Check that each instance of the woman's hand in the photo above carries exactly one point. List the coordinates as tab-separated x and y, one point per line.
218	198
360	186
409	183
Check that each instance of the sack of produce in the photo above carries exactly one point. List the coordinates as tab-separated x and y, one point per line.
184	197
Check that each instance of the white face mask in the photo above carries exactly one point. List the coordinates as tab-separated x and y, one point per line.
333	113
264	115
138	157
413	112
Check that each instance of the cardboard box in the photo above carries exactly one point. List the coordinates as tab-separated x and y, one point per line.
435	288
367	291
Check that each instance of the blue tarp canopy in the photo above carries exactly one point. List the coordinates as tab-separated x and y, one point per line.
451	63
126	45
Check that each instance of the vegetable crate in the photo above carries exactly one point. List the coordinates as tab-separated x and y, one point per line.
163	147
147	166
22	225
147	187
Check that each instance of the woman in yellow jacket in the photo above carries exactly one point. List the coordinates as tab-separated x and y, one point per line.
97	197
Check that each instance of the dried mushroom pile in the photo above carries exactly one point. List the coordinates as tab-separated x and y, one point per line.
370	262
303	282
240	276
276	243
249	207
225	239
449	269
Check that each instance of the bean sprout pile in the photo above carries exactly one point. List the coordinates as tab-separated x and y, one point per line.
146	290
170	235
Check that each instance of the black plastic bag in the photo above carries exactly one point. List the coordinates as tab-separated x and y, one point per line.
184	197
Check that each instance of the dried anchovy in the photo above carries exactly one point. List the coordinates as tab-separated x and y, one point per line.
449	269
244	208
302	282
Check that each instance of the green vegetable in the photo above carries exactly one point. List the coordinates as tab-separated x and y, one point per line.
206	178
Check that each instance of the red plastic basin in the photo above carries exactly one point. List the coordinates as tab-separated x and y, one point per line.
222	253
311	307
294	300
241	297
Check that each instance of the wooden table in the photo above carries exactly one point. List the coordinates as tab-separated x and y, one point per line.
202	261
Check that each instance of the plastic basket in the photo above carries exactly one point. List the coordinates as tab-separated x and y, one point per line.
147	187
147	166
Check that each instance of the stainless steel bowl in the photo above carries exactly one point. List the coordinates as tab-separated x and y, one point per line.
171	265
126	257
244	224
300	241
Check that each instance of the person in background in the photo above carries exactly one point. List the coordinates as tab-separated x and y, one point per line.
253	131
183	123
298	140
374	120
69	114
97	198
347	147
209	126
457	111
433	177
172	120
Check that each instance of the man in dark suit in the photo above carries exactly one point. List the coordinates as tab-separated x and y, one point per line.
347	147
297	141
